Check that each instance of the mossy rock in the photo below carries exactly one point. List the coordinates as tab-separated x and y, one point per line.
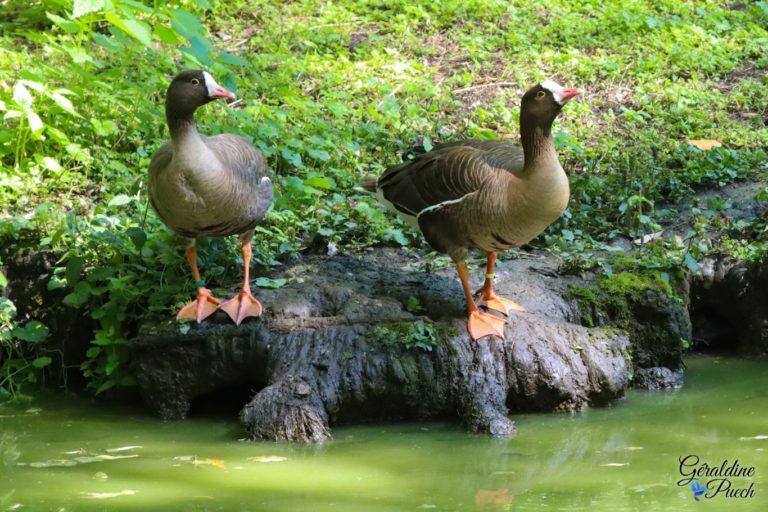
643	304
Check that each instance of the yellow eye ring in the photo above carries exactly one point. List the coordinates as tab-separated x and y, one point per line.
541	94
195	81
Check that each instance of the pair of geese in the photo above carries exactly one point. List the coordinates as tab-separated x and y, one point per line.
487	195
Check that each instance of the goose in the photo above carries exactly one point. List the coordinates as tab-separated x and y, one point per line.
208	186
487	195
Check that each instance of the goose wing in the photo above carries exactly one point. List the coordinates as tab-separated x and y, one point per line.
435	179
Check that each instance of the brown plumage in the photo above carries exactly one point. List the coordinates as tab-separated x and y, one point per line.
486	195
208	186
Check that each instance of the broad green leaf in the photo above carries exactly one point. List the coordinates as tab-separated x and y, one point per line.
167	34
106	42
42	362
33	332
265	282
79	296
228	58
73	270
137	236
200	48
35	123
3	280
119	200
82	7
319	154
21	95
204	4
66	25
187	24
319	182
133	27
63	102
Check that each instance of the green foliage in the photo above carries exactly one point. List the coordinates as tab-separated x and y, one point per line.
22	362
333	92
419	335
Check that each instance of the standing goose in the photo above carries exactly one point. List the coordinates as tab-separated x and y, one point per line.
208	186
487	195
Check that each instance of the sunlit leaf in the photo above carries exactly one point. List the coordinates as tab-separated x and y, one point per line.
167	34
133	27
119	200
705	144
68	26
82	7
63	102
21	95
3	279
35	123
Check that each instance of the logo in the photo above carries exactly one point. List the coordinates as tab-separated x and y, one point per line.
697	489
726	480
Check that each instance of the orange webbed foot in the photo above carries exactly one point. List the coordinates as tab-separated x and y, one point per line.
201	308
501	304
241	306
482	324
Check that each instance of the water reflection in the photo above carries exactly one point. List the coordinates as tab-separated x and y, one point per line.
620	458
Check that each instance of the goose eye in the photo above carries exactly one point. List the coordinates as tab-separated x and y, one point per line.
195	81
541	94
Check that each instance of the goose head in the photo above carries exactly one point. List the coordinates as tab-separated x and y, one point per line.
191	89
543	102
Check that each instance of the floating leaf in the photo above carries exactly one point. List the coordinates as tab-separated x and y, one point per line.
123	449
268	458
495	497
106	495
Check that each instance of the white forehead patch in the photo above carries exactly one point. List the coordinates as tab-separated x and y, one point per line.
555	88
210	83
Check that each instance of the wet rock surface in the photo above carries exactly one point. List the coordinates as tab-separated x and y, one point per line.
323	353
729	306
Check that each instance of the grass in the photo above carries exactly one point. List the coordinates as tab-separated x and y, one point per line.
334	91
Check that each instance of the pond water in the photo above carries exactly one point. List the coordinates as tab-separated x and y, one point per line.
68	454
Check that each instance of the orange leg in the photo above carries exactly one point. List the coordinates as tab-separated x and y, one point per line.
205	304
487	296
479	324
244	304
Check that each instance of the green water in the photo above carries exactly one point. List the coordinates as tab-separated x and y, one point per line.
614	459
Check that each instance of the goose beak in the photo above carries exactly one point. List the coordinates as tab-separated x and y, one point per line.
221	93
566	95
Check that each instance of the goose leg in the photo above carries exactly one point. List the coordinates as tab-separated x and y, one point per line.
205	304
487	296
479	324
244	304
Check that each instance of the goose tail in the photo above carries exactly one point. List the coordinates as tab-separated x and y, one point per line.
369	183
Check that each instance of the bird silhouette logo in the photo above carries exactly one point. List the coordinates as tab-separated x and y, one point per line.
697	489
